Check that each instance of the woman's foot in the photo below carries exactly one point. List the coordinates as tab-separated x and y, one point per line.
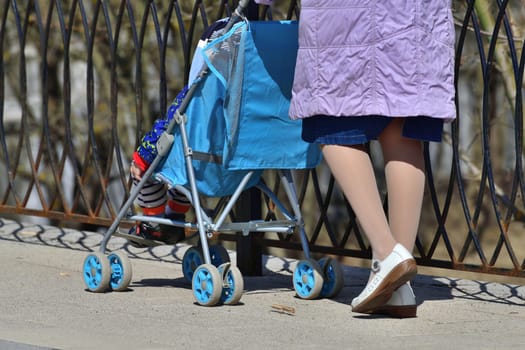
389	274
402	304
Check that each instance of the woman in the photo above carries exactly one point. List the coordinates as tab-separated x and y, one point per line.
377	69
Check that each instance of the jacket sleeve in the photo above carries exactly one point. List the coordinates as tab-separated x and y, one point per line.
147	150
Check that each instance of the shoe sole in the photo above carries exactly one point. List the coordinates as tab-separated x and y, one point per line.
137	241
402	273
397	311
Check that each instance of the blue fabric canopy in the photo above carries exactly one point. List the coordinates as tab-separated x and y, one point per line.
237	119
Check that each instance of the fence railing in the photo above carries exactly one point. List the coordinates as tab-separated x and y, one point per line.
81	81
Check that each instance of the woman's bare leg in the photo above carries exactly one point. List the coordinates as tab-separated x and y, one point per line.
405	180
353	170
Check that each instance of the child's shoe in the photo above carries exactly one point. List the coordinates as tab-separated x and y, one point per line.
158	232
173	234
145	230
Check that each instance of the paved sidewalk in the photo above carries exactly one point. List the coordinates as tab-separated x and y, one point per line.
44	305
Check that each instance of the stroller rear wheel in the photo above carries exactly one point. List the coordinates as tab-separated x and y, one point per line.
190	261
121	271
219	255
308	279
333	277
97	272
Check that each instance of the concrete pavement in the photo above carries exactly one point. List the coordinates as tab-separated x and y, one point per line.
44	305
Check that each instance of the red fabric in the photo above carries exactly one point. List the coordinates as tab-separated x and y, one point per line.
157	211
139	162
178	207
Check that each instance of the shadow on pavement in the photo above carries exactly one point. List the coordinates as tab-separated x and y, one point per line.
277	274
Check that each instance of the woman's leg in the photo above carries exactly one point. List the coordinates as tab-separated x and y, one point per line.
353	170
405	180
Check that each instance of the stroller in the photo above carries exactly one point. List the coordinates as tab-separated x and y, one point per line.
231	126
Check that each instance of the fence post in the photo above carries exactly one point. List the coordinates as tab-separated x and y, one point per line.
248	207
249	249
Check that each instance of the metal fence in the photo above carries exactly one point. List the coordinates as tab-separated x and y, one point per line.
81	81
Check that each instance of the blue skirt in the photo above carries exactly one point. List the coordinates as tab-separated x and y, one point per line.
329	130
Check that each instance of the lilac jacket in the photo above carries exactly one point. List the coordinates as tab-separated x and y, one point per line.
375	57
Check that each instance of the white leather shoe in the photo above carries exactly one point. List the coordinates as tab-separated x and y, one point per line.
395	270
402	304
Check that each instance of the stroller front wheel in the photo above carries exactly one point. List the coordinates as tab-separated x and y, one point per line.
207	285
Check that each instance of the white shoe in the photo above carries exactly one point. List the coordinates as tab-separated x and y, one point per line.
395	270
402	304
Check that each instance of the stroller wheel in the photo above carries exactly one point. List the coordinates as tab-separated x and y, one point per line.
191	259
233	285
308	279
207	285
97	272
333	277
219	255
120	271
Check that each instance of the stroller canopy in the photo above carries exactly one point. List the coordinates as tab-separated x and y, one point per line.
237	119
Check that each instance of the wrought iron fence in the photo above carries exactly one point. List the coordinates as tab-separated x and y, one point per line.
81	81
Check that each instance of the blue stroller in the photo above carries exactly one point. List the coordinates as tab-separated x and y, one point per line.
231	126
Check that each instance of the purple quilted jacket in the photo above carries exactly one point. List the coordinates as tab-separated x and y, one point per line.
375	57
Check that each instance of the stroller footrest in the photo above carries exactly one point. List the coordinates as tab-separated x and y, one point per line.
280	226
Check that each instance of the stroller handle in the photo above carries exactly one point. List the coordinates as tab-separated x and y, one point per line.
237	14
243	4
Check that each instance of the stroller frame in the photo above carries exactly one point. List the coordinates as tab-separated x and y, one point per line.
214	279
